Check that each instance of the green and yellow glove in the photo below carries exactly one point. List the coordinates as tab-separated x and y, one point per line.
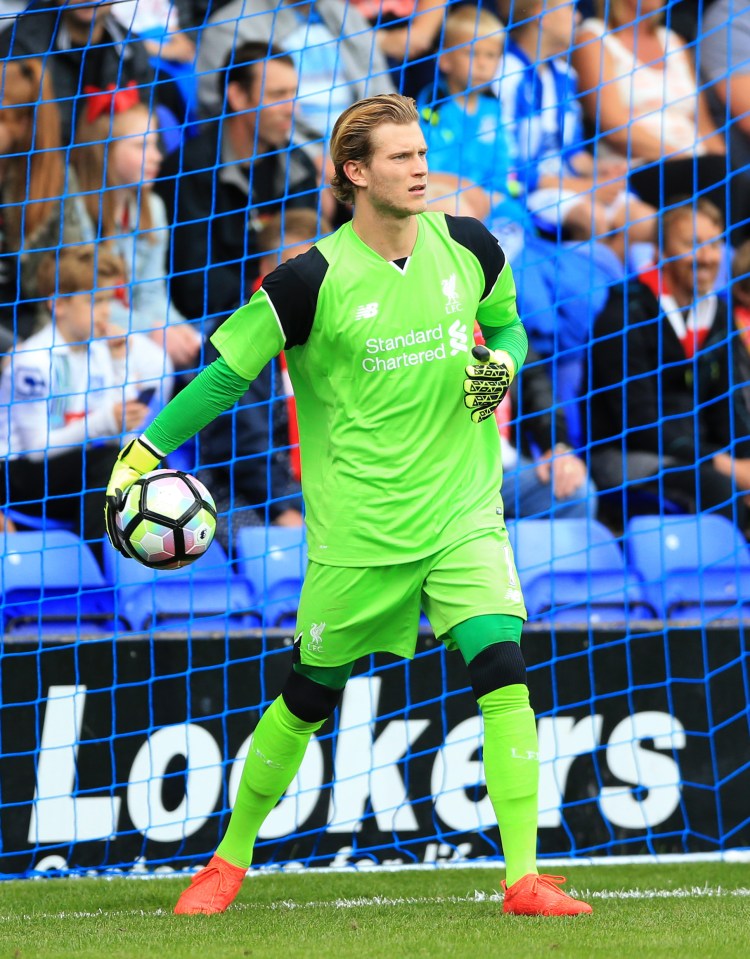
487	382
135	460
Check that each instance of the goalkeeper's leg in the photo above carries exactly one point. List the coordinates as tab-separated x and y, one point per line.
491	648
276	751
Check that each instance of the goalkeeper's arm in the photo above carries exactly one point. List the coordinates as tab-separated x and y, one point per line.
216	389
510	339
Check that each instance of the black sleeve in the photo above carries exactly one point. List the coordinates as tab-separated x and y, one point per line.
293	289
473	235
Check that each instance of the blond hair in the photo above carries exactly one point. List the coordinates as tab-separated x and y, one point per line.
79	269
473	23
351	138
90	160
36	175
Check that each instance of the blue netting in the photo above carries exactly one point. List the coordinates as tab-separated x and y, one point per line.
154	163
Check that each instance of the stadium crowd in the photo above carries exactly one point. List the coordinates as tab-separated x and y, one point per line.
157	158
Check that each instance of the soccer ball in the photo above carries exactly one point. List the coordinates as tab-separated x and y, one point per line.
168	519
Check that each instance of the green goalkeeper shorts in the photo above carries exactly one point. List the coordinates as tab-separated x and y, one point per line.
348	612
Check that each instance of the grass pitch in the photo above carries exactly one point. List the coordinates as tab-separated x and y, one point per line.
642	911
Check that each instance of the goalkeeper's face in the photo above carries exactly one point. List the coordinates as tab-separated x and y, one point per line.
394	180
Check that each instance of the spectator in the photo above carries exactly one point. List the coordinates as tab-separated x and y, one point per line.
639	85
63	392
116	161
639	90
408	33
660	416
83	45
221	184
406	29
32	176
462	122
565	186
542	475
725	66
249	449
559	289
335	53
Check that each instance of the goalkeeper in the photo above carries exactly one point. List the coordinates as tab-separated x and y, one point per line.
401	475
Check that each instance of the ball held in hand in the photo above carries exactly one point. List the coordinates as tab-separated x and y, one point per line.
167	519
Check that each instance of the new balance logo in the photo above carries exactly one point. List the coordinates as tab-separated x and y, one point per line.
459	340
527	754
366	312
453	301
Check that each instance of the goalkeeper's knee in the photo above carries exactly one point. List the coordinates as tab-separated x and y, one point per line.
307	700
499	665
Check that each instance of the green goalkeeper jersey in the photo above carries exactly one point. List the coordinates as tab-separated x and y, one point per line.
393	468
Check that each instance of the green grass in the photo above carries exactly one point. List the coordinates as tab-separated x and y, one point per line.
411	914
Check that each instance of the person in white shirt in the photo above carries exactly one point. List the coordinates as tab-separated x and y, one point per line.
70	391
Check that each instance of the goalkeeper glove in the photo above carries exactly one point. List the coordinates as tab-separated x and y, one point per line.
487	382
135	460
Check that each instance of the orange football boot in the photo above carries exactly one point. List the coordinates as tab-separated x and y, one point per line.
212	889
541	896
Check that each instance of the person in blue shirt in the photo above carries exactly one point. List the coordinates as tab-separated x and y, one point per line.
461	119
564	185
560	290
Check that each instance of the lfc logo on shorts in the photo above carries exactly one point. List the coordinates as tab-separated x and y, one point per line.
316	637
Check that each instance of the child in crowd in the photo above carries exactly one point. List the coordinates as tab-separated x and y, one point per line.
70	391
538	88
116	161
462	122
560	290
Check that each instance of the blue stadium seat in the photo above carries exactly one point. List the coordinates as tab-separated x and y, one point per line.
693	567
205	596
51	583
30	521
273	560
573	571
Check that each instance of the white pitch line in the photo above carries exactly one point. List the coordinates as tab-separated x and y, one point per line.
359	902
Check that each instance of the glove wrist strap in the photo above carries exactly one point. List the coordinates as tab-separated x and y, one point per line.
142	455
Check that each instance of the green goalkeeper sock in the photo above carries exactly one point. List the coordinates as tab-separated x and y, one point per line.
511	765
276	753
